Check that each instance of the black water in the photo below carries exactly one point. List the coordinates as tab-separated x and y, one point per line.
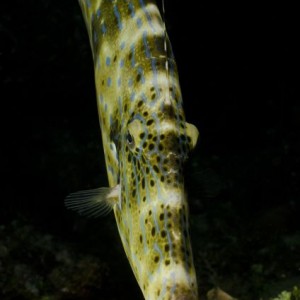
237	67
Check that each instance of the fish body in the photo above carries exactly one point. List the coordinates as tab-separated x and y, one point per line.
146	141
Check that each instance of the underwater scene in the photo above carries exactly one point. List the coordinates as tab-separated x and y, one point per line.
200	182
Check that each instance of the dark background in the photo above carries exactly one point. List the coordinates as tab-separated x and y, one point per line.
237	68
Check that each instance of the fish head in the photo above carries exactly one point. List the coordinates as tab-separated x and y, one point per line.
152	215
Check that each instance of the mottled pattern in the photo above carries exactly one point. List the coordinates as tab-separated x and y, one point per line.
146	141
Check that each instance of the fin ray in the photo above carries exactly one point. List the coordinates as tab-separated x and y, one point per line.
93	203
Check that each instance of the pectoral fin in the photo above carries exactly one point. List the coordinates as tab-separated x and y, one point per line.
192	133
95	202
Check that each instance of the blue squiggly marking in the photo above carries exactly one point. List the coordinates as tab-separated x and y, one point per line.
118	16
103	28
132	49
139	22
98	13
132	96
131	8
141	72
147	50
148	16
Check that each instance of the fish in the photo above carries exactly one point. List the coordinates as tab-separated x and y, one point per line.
146	142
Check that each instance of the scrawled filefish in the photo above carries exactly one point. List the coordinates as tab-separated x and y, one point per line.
146	141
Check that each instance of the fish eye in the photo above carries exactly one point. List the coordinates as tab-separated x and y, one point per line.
130	140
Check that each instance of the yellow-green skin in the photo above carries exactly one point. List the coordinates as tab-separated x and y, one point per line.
146	141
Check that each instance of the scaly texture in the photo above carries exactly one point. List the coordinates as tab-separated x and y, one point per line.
146	141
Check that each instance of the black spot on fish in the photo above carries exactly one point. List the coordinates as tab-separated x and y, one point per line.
153	231
167	262
156	259
138	77
142	135
163	234
133	192
149	122
161	216
169	111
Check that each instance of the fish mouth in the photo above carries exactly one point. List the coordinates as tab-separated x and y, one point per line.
163	261
174	285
